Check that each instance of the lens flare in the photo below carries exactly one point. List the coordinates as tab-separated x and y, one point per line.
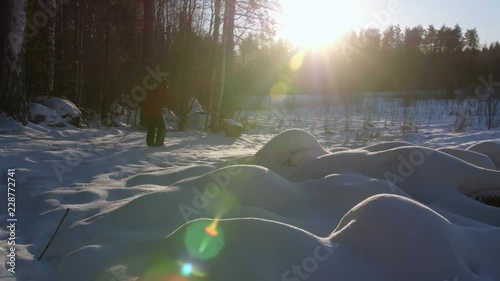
203	244
167	270
187	269
279	89
227	202
297	60
175	278
315	24
212	228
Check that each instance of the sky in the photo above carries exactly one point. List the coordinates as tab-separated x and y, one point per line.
482	14
312	21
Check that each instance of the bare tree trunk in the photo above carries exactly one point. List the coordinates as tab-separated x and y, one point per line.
51	46
105	73
147	41
183	88
220	90
226	63
12	76
59	83
226	105
78	63
215	57
160	31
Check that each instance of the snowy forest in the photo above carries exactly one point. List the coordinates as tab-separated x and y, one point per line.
249	140
92	52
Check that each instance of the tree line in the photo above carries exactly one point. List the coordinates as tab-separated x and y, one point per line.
417	58
93	52
372	60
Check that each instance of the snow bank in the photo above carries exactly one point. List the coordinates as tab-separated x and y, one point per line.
334	215
171	120
489	148
291	148
45	116
64	108
386	145
409	241
292	211
469	156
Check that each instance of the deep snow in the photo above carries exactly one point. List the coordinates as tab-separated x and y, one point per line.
261	207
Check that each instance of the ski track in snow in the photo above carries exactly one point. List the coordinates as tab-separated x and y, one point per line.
285	208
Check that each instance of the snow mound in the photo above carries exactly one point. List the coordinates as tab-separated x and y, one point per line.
171	120
389	212
386	145
45	116
4	117
489	148
469	156
365	232
408	166
409	241
337	149
64	108
291	148
232	122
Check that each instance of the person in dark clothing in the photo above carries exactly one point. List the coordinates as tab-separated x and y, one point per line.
153	106
156	131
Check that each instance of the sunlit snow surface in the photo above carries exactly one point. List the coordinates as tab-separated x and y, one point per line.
261	207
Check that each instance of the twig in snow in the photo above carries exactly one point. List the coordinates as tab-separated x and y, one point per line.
53	235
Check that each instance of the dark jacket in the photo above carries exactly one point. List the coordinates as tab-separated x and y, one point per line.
155	101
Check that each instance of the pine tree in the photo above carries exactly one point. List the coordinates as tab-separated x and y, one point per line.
471	39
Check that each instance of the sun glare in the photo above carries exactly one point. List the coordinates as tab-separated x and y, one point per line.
317	23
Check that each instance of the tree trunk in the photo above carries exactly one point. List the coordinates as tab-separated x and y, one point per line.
105	74
59	81
51	46
226	63
220	91
12	78
215	56
147	41
78	63
184	44
227	104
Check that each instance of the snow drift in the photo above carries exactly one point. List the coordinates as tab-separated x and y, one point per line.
291	211
64	108
297	212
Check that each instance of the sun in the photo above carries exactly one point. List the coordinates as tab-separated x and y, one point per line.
317	23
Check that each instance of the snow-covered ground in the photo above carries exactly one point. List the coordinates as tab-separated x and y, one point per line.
266	206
